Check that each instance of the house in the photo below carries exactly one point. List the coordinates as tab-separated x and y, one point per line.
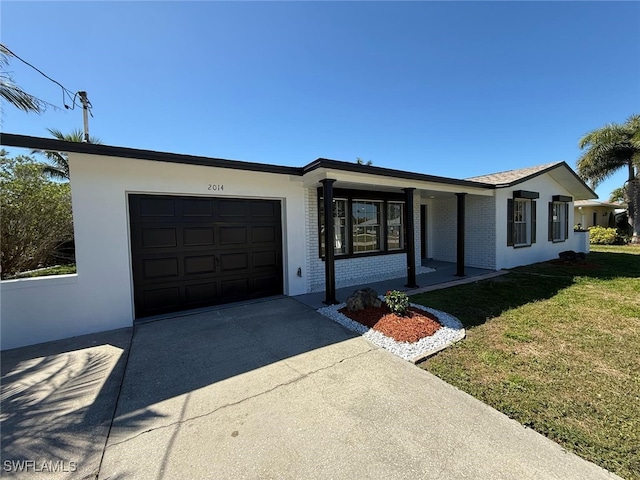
591	213
159	232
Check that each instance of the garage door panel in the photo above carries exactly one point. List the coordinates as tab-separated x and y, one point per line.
198	236
232	208
159	237
233	261
190	252
157	207
233	235
235	288
201	292
161	299
268	258
263	209
197	207
162	267
266	285
263	234
199	264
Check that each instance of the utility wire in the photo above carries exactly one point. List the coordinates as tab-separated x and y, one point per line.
65	91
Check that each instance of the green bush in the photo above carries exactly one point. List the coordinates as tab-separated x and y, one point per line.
398	302
36	215
603	236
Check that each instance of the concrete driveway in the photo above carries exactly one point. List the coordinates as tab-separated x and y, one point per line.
268	390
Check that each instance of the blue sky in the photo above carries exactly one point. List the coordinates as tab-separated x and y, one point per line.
447	88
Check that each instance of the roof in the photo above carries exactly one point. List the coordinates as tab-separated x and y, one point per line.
594	203
13	140
559	170
511	177
52	144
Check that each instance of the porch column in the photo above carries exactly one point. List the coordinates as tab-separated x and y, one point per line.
410	241
329	243
460	235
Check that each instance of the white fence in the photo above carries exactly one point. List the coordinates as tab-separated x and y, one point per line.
41	309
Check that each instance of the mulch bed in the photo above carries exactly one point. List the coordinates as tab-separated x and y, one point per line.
415	325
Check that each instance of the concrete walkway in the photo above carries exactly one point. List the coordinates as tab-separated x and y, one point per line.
267	390
444	276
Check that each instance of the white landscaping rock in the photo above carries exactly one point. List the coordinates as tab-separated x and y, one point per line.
450	332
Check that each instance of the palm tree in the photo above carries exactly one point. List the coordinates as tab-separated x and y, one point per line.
609	149
57	166
617	195
11	92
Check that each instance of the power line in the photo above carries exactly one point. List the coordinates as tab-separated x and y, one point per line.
65	91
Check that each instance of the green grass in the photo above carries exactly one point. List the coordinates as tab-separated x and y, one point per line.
556	347
58	270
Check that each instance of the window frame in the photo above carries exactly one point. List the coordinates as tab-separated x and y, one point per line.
559	204
401	225
345	240
380	206
366	196
528	199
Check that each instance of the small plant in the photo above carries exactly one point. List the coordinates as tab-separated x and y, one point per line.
398	302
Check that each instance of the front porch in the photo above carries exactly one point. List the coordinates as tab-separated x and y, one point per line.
444	276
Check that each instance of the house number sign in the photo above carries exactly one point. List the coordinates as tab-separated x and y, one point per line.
216	187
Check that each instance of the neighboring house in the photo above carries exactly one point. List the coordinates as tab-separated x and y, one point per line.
590	213
160	232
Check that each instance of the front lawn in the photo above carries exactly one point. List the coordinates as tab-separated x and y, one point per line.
556	347
44	272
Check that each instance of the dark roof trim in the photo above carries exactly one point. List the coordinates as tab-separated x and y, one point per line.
13	140
38	143
388	172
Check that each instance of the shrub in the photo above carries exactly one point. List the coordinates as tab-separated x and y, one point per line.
398	302
36	215
603	236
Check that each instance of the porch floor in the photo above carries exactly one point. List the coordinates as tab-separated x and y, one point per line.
445	272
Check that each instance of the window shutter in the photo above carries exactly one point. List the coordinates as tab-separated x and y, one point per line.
509	222
533	221
566	221
551	221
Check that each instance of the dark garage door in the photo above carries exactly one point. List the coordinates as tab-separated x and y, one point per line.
191	252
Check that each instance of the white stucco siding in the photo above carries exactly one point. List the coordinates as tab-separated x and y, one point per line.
543	249
100	296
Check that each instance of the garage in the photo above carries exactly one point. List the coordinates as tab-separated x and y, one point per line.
192	252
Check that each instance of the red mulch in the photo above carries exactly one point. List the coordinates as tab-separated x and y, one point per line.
416	325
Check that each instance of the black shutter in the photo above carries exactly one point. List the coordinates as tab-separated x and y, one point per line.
566	221
533	221
551	221
509	222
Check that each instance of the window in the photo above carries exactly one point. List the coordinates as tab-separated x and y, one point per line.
395	228
521	219
339	226
366	226
365	223
559	218
521	215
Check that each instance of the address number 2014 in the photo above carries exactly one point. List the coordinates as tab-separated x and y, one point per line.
215	187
